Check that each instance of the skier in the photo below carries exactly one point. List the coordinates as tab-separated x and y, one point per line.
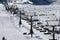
11	10
15	11
3	38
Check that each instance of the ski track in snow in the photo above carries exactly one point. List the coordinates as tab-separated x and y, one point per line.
7	28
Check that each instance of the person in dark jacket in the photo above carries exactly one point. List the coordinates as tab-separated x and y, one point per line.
3	38
15	11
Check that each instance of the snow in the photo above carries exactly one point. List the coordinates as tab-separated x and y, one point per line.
9	24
